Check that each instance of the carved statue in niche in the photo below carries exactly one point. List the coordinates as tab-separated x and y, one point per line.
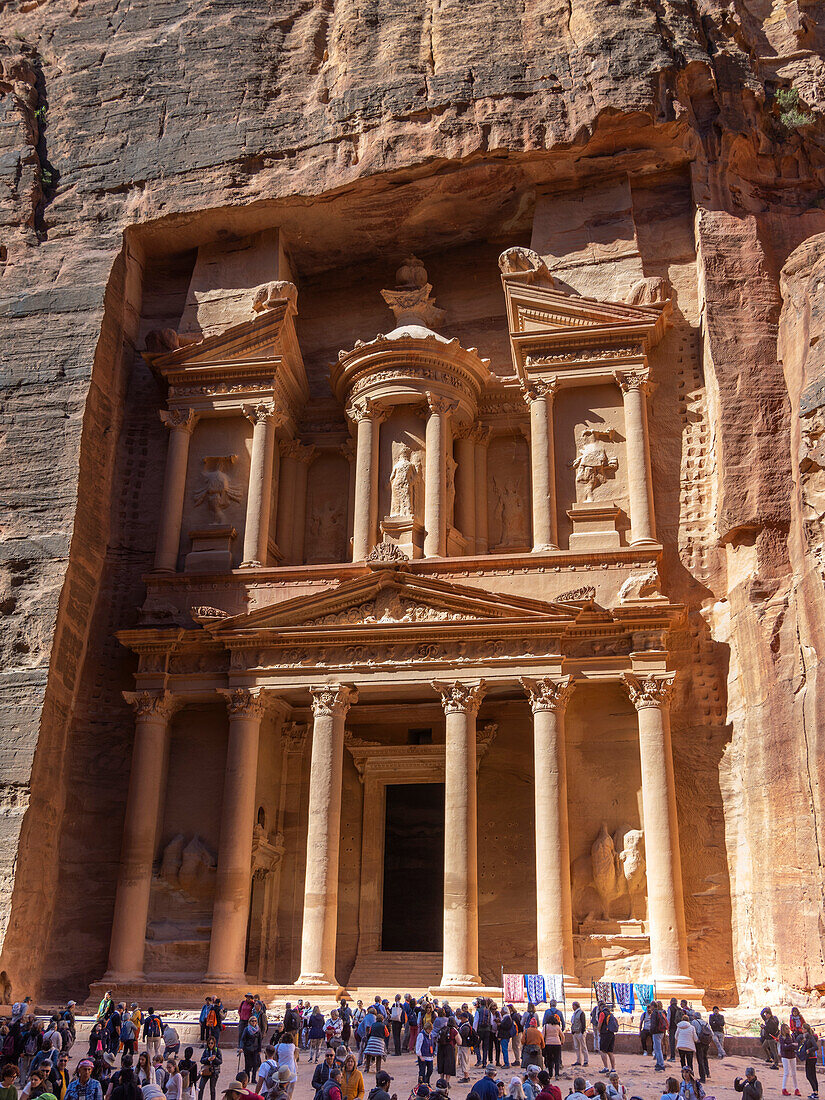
404	480
593	465
217	491
512	514
610	883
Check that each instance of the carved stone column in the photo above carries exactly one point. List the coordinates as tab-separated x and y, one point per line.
261	474
554	917
330	705
147	782
460	702
539	397
367	415
181	423
230	911
650	694
635	388
435	482
481	438
465	486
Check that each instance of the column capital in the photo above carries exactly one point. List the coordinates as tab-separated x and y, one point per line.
458	697
481	435
243	702
649	690
633	380
332	699
262	412
366	408
465	430
294	736
179	420
294	448
548	693
151	704
438	405
348	450
539	388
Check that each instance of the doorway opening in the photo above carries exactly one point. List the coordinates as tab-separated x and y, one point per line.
413	910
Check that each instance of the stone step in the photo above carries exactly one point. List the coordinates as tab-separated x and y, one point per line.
383	969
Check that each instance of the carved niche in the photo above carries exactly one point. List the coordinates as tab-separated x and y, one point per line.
609	883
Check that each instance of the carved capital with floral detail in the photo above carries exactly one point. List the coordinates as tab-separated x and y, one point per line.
294	736
539	388
547	693
348	450
332	699
649	691
150	704
294	448
365	408
632	380
481	435
440	406
179	420
262	412
458	697
243	702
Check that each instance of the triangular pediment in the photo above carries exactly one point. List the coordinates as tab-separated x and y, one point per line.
540	309
392	597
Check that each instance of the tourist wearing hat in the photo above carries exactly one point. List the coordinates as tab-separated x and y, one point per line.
486	1088
211	1060
151	1091
531	1081
381	1090
84	1086
234	1090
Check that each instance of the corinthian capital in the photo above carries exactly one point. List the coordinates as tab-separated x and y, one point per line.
243	702
548	694
262	412
441	406
294	448
632	380
332	699
179	420
458	697
649	691
365	408
150	704
539	388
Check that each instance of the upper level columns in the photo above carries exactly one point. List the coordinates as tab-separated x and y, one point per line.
330	705
461	702
147	782
437	439
539	396
180	423
650	694
230	911
634	387
367	415
262	475
554	916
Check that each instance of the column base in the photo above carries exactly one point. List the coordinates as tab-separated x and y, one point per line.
225	979
678	985
464	988
251	564
643	542
544	549
122	977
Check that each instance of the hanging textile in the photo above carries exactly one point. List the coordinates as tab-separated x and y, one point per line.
643	994
514	990
623	994
554	986
536	993
604	992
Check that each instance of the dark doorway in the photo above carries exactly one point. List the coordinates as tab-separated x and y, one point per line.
413	915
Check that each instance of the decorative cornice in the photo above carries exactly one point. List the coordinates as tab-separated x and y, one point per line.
243	702
649	691
179	420
458	697
547	693
332	700
150	704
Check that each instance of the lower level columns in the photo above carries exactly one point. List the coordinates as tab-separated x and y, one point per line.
460	702
230	911
330	705
140	829
554	910
651	694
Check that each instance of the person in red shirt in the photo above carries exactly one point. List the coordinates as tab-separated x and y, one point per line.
549	1091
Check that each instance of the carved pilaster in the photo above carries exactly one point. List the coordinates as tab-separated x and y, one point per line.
332	699
649	691
547	693
458	697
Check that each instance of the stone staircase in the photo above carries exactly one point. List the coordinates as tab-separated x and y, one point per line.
380	970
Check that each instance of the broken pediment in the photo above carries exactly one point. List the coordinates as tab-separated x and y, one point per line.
395	597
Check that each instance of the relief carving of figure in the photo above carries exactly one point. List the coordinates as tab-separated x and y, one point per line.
404	483
593	465
217	491
512	514
326	528
610	883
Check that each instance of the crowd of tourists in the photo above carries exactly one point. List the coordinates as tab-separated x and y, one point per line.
136	1055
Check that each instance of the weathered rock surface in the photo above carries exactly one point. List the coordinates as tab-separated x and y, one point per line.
131	133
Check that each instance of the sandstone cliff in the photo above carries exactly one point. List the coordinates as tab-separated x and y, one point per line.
132	132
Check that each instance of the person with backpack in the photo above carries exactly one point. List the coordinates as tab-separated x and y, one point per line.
468	1040
211	1061
397	1023
608	1027
376	1044
483	1024
153	1033
674	1017
532	1042
769	1034
595	1012
446	1046
206	1008
425	1053
704	1037
578	1029
128	1035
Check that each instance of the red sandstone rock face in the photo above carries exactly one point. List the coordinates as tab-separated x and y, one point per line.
133	133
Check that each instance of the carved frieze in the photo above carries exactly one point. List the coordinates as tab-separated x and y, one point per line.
579	352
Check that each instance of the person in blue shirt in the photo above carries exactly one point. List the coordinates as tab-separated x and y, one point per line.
84	1086
207	1005
552	1011
486	1088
